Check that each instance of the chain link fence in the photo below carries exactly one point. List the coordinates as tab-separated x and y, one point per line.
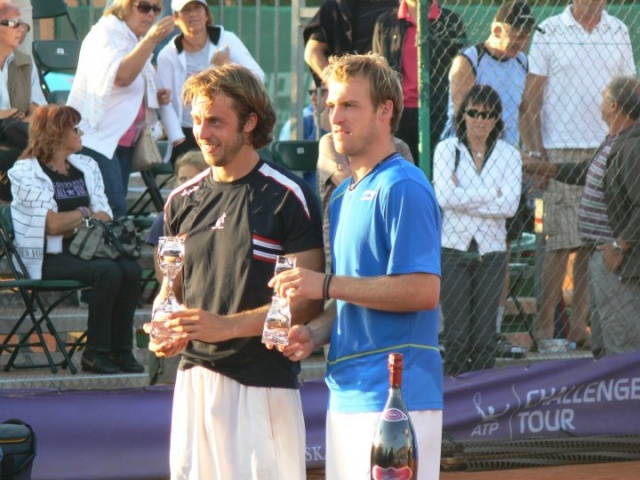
530	262
516	267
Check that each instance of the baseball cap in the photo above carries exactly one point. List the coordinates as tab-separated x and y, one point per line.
516	14
177	5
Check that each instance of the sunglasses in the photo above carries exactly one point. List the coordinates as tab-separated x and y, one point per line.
473	113
77	131
314	91
15	23
146	7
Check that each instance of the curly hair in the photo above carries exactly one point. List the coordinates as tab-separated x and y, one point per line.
47	127
244	88
384	82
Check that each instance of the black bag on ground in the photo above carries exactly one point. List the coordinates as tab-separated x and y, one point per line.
18	446
113	239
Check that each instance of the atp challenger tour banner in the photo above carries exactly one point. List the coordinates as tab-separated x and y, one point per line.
547	399
129	438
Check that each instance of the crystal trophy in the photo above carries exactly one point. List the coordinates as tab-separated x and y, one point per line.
170	260
278	321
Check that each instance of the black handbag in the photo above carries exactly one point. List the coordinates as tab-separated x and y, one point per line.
17	450
14	133
113	239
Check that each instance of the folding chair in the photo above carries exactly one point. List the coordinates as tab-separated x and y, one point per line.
55	56
35	311
522	273
152	193
52	9
296	155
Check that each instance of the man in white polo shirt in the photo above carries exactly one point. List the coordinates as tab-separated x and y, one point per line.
572	59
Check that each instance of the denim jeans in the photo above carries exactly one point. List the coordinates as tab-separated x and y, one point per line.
115	289
471	286
115	175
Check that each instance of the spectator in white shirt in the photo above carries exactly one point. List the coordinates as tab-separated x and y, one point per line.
477	179
200	45
573	57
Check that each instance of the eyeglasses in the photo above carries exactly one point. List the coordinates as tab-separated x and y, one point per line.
15	23
473	113
313	91
146	7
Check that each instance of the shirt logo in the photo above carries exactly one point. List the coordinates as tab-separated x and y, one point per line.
220	222
189	191
368	195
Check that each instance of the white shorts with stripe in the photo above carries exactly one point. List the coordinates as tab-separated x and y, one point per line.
349	437
221	429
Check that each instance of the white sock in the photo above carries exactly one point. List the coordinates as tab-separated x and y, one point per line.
499	318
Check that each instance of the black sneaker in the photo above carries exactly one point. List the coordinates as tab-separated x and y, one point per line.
127	362
505	349
98	362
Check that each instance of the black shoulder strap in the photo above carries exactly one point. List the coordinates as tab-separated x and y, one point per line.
457	161
523	63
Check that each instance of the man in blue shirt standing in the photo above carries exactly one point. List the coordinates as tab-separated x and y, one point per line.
385	243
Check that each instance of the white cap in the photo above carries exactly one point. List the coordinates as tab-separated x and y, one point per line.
177	5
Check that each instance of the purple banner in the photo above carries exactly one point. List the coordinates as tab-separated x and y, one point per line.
125	433
580	397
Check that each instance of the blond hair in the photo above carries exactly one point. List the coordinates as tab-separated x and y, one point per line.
193	158
384	82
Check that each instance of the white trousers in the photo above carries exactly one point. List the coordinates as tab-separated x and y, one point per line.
223	430
349	438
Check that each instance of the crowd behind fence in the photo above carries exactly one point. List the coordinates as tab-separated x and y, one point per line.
511	291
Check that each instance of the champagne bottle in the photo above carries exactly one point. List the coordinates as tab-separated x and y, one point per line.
394	455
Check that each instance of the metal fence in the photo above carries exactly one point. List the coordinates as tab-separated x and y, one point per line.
496	294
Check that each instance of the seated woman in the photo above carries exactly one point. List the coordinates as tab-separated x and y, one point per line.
476	177
54	190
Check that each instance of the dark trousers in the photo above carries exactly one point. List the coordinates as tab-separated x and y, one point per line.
115	175
186	146
115	289
409	131
471	286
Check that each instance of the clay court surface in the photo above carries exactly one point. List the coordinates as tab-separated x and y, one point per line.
592	471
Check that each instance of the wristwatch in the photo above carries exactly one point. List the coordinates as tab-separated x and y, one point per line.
616	247
534	154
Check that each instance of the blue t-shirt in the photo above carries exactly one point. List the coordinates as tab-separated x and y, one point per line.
507	76
388	224
156	231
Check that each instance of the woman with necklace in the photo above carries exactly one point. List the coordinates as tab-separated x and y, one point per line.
200	45
477	179
54	191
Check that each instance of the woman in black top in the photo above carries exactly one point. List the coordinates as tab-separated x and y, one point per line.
54	190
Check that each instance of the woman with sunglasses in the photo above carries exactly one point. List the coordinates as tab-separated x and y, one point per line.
199	45
54	191
477	182
115	91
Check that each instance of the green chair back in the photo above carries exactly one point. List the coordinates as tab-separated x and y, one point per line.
297	155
